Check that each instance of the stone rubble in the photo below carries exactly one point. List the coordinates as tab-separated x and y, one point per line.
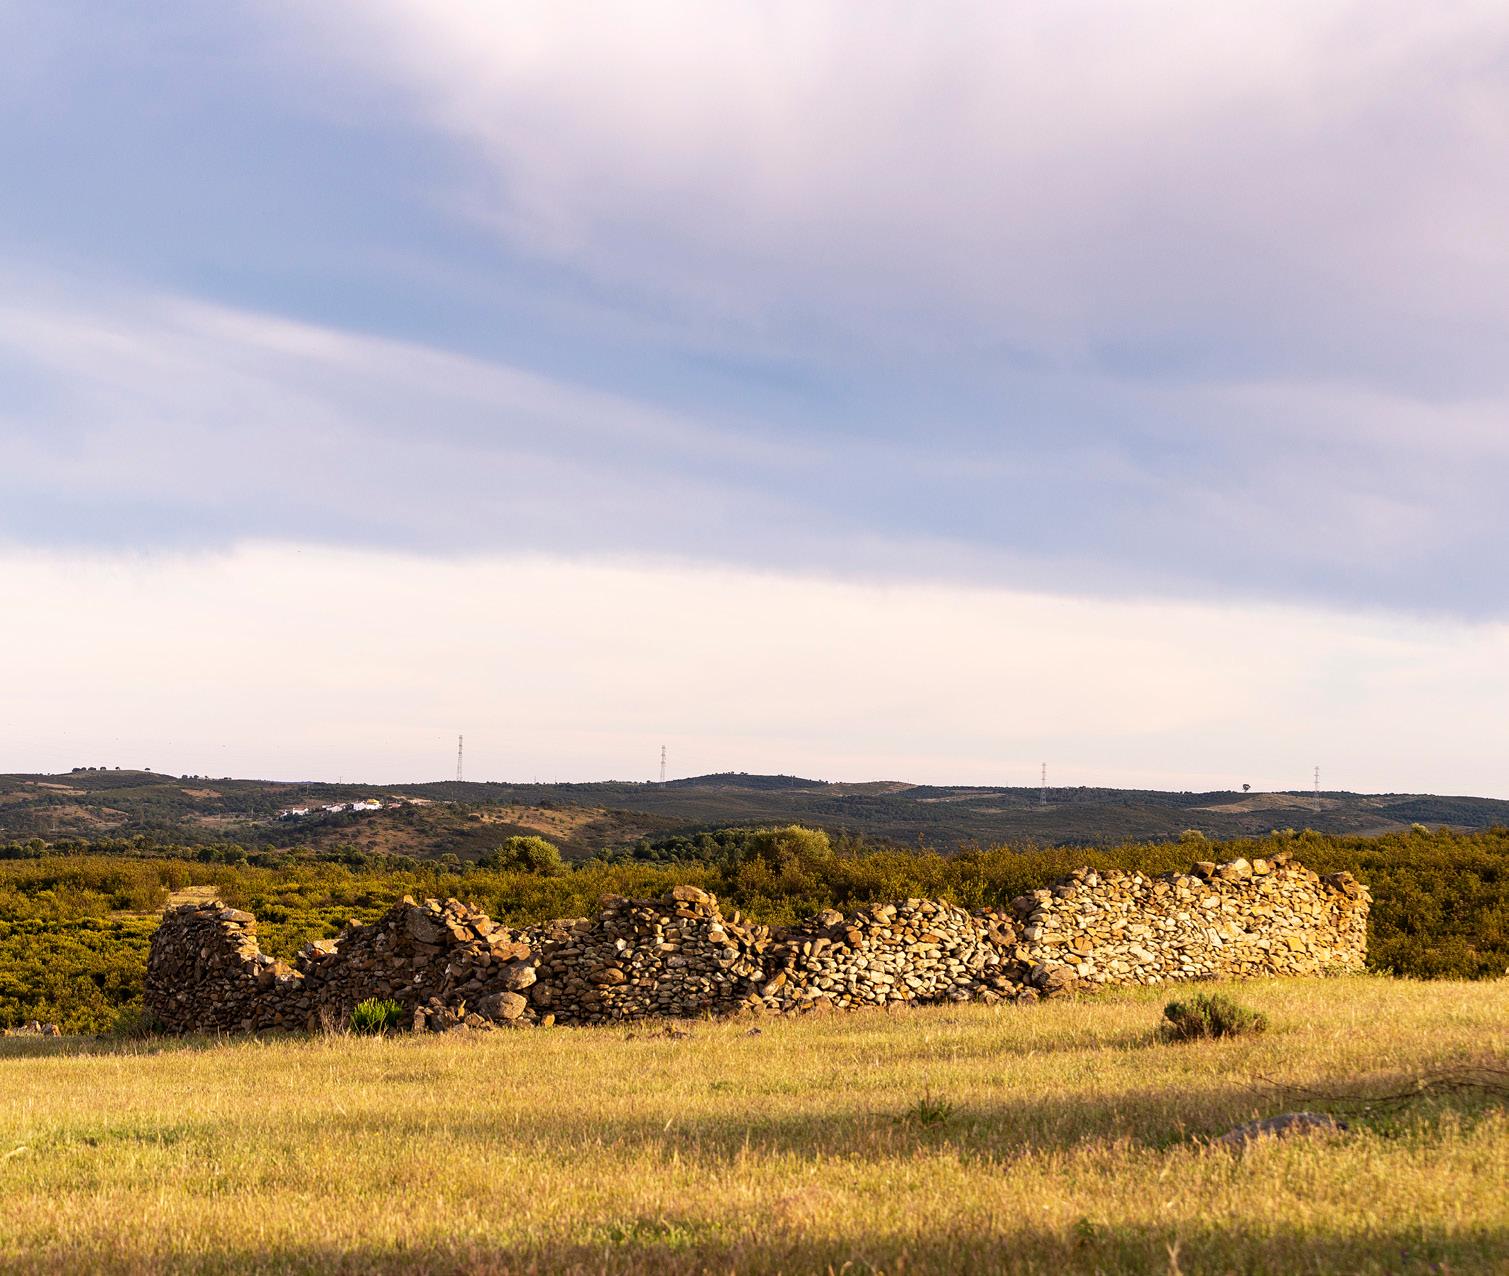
676	958
32	1028
1287	1125
450	967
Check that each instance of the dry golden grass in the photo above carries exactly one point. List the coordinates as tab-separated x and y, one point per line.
1059	1138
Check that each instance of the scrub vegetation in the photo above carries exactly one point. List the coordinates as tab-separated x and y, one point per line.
74	927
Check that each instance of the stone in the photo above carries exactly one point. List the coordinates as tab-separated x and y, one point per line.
422	929
505	1006
1286	1125
450	966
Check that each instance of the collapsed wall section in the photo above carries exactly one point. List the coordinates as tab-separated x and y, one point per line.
206	973
443	963
449	966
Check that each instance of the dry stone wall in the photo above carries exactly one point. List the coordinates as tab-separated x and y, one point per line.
449	966
206	973
1235	920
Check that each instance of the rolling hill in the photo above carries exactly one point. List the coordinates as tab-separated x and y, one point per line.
467	819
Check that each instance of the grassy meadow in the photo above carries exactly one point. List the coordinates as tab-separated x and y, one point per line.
1057	1138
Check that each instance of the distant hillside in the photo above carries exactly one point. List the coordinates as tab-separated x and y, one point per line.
466	819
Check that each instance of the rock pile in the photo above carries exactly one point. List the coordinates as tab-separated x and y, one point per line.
678	957
33	1028
445	964
205	973
918	951
1237	920
1286	1125
449	966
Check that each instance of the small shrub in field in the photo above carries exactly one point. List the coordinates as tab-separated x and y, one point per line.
134	1024
930	1110
1208	1015
375	1015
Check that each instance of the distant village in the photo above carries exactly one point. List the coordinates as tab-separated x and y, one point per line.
343	808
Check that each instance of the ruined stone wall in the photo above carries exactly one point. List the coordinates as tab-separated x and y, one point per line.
206	973
1235	920
449	966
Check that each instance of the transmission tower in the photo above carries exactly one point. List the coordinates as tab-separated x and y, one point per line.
460	740
662	764
1042	793
1317	781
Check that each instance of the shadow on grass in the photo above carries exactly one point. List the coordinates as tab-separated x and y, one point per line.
18	1049
1002	1128
665	1246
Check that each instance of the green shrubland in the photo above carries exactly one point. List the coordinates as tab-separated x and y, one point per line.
75	925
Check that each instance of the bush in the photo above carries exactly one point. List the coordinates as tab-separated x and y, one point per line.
376	1015
789	849
526	854
1209	1015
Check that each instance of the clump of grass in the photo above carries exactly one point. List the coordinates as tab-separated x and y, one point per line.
376	1015
134	1024
930	1110
1209	1015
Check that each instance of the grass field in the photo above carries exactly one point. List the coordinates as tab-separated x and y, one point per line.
1056	1138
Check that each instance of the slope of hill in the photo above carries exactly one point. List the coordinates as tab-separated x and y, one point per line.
468	819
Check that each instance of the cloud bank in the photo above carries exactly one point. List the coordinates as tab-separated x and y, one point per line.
1122	383
286	662
1173	300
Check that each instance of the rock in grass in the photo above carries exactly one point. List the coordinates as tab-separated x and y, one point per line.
1285	1126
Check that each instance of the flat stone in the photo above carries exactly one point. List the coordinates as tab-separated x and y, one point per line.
1285	1126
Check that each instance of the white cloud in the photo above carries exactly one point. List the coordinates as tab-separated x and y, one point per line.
233	422
154	419
1271	186
298	662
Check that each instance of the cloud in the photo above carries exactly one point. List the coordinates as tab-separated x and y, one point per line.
154	413
1172	300
287	662
1296	190
159	420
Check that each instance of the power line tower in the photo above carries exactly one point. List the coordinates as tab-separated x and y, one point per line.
1042	792
460	740
1317	781
662	764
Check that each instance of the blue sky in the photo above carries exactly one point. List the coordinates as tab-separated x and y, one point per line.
1172	305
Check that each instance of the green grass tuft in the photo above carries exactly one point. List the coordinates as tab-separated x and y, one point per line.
1210	1015
376	1015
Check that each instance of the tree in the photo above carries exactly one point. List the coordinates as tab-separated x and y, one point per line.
785	849
526	854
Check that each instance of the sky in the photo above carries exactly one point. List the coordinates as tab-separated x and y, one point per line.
895	390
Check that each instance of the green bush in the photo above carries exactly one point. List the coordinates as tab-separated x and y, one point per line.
526	854
1209	1015
376	1015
